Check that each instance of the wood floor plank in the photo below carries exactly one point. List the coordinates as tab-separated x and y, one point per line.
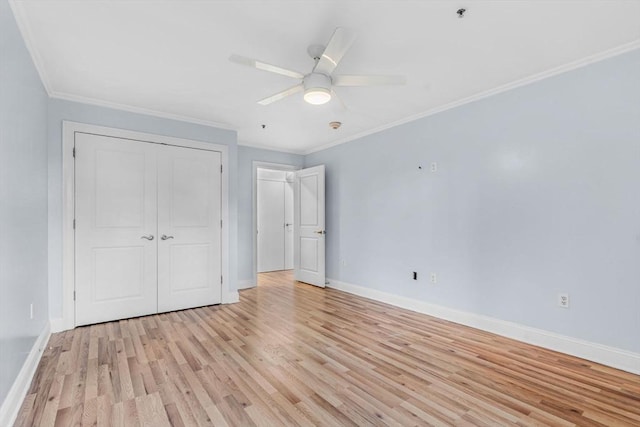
151	411
104	411
293	354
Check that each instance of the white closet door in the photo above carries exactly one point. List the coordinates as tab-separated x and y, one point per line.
271	233
115	184
189	228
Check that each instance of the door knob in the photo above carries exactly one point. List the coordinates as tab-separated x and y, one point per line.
321	232
149	237
287	224
165	237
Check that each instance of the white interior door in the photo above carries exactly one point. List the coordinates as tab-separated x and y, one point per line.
288	221
309	226
189	228
116	251
271	224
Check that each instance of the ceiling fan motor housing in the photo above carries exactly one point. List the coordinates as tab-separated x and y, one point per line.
317	88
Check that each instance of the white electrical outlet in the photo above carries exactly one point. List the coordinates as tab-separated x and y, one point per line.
563	300
434	167
31	311
434	278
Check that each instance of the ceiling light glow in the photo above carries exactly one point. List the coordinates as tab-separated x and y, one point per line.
317	95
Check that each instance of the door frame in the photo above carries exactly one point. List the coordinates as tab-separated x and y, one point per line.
254	211
69	129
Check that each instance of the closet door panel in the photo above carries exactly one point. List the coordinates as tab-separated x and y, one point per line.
116	251
189	228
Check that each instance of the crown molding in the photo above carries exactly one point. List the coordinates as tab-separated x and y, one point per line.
25	31
264	147
139	110
485	94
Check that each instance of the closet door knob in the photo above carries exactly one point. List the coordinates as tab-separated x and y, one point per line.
149	237
165	237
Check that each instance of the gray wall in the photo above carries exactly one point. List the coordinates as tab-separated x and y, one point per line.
60	110
536	193
246	157
23	202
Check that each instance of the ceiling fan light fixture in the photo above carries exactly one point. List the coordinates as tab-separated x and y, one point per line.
317	86
317	95
317	89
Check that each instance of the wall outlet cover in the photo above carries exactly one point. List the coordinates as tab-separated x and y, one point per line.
563	300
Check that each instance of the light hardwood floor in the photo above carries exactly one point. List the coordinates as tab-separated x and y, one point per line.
293	354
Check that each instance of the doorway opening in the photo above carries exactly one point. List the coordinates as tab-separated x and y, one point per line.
274	202
273	218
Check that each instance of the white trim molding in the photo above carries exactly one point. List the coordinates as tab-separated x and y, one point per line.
243	143
246	284
11	405
230	297
57	325
619	50
69	129
27	34
140	110
610	356
25	30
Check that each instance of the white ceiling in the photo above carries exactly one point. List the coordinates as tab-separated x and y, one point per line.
171	57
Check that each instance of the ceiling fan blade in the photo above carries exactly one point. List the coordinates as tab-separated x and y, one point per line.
340	42
250	62
356	80
342	104
278	96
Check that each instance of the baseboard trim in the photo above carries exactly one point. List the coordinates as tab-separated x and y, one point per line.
231	297
57	325
246	284
606	355
11	405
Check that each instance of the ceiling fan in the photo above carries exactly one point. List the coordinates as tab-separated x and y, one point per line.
318	84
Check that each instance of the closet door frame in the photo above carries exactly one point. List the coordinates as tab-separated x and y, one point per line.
69	130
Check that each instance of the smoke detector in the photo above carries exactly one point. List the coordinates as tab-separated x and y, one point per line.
335	125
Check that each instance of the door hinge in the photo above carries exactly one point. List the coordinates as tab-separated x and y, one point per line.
220	223
220	168
221	279
74	151
74	223
74	295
